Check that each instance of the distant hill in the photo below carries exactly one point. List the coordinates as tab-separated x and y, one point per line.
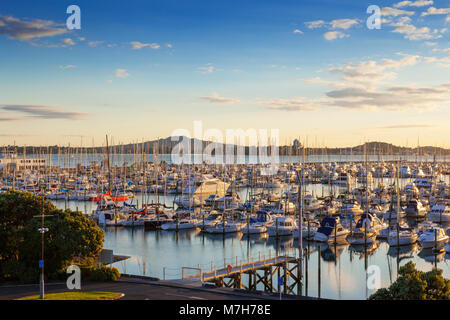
166	145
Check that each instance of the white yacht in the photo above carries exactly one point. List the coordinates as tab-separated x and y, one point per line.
227	227
434	237
180	224
402	237
282	226
439	213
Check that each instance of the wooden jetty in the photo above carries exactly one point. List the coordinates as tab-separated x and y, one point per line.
285	269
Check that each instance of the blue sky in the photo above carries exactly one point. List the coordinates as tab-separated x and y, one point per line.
141	69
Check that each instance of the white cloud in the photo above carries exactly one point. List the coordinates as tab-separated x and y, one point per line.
122	73
215	98
94	43
139	45
315	24
68	66
443	62
68	41
294	104
297	31
27	30
417	3
388	11
332	35
411	32
207	69
434	11
334	24
343	23
396	98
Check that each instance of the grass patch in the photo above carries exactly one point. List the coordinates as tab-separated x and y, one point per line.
88	295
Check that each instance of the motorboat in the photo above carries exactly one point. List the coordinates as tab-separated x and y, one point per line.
439	213
282	226
258	223
434	237
225	227
331	230
180	224
401	237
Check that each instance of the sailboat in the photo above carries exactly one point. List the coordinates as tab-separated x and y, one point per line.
401	237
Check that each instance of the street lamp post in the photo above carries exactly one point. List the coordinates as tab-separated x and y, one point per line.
41	262
42	230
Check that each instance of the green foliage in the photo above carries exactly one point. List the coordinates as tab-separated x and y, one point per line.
413	284
71	236
16	210
104	273
93	272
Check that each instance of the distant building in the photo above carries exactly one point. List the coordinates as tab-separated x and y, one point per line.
11	162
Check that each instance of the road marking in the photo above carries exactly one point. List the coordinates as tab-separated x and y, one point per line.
192	297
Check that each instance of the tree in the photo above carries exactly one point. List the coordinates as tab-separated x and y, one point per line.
71	236
413	284
16	210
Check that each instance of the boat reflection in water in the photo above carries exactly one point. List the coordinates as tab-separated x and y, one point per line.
255	238
331	252
403	252
222	236
431	255
184	234
281	243
362	250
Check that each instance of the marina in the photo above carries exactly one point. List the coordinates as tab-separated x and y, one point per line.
193	222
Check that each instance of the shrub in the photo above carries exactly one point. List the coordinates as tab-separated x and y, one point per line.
100	273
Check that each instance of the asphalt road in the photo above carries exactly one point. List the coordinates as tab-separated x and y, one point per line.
132	291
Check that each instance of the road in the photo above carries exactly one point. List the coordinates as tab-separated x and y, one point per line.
132	291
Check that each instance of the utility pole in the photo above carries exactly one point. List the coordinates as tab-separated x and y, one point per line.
42	231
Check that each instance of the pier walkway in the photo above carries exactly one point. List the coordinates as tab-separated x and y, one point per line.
259	275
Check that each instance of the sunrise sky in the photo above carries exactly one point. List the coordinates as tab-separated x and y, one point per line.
138	70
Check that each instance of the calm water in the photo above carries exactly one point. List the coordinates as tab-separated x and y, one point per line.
71	161
343	268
